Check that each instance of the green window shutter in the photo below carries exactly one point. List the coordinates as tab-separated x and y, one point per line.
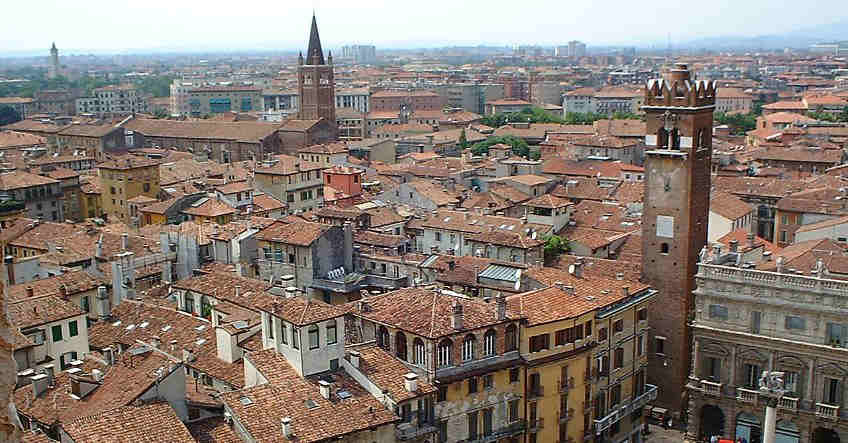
72	329
57	333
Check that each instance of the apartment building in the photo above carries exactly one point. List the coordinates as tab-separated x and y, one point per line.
123	179
466	347
51	330
113	100
748	321
292	180
41	195
734	100
354	98
204	100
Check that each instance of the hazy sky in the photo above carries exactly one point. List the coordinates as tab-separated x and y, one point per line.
283	24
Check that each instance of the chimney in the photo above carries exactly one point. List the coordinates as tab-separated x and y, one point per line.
63	291
238	291
39	384
99	247
109	355
625	291
500	300
619	276
456	315
103	303
780	263
29	291
155	341
125	239
354	359
324	387
734	246
97	374
577	268
410	382
451	265
10	267
49	370
347	248
750	239
287	429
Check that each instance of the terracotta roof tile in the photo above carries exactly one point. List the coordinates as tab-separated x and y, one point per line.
151	423
300	233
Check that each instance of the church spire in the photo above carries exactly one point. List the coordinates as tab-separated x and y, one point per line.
314	54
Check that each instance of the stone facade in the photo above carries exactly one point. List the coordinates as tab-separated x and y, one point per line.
749	321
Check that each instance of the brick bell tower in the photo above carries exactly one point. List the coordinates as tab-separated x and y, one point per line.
678	150
315	82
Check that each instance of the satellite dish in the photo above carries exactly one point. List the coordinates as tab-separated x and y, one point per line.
571	269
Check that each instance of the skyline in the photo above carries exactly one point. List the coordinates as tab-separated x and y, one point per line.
213	26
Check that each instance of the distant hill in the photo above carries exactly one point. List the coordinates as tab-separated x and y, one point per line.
800	38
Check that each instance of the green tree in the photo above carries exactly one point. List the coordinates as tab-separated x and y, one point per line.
160	113
8	115
463	140
739	123
843	116
519	146
554	246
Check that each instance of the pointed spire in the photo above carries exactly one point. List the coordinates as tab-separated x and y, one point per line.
330	57
53	48
314	54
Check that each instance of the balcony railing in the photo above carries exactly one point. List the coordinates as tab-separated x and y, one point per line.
711	388
622	410
409	431
566	415
746	395
788	403
536	424
536	391
827	411
564	385
509	430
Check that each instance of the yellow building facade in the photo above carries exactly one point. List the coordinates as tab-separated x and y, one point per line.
123	179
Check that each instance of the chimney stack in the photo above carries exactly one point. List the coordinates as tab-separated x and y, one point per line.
238	291
49	370
63	291
29	291
410	382
734	246
619	276
109	355
103	303
287	428
324	387
625	291
456	315
500	300
10	267
354	359
39	384
750	238
155	341
125	239
578	268
780	263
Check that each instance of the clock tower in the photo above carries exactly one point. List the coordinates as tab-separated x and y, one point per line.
679	116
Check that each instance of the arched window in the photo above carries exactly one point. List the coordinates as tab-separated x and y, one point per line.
511	339
443	357
400	345
383	338
420	353
489	343
468	346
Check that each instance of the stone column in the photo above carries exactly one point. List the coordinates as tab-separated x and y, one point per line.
771	361
770	423
696	346
732	384
809	395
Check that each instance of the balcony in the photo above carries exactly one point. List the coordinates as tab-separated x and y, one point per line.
535	425
564	386
622	410
787	403
711	388
746	395
356	281
507	431
409	431
565	416
826	411
536	391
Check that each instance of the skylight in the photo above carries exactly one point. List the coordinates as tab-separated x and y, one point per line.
144	324
117	323
246	401
130	327
166	328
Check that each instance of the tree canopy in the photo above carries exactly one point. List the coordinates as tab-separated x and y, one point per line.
739	123
519	146
538	115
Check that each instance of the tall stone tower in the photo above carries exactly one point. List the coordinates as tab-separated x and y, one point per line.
315	82
679	114
53	66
